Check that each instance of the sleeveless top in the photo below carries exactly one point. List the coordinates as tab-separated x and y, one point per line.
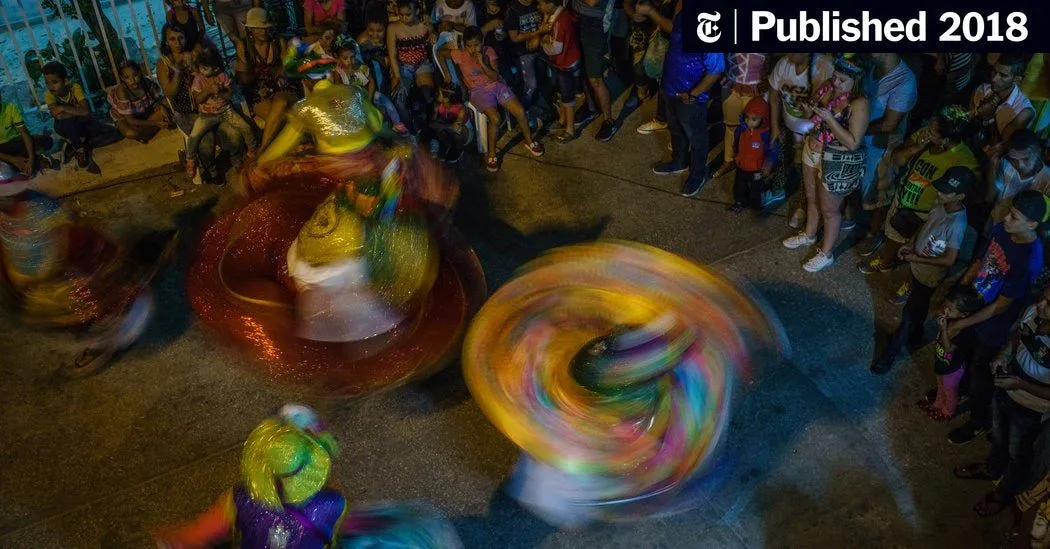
839	105
311	525
189	28
269	75
413	51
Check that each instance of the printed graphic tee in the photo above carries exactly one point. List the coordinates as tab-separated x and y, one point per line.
1007	269
915	183
794	88
942	231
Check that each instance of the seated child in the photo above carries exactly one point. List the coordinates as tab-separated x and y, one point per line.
69	107
488	93
137	105
350	70
448	125
754	156
962	301
371	44
17	147
325	45
212	89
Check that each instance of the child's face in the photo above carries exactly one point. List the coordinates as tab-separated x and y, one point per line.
346	59
130	77
472	46
55	84
1016	222
376	32
753	122
209	71
951	310
949	198
492	6
545	7
326	39
407	15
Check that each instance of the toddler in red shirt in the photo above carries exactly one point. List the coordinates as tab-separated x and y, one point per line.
754	156
560	44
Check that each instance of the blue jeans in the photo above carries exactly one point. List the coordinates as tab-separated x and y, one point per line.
1014	430
527	63
687	124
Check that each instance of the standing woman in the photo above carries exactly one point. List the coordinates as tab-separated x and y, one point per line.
832	157
186	19
260	73
175	72
408	43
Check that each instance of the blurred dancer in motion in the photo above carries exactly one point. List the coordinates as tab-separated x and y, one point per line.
611	366
340	270
59	271
284	500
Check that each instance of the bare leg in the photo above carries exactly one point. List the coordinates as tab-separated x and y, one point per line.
809	181
831	209
517	110
493	131
601	94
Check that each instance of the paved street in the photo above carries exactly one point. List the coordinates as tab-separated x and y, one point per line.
820	452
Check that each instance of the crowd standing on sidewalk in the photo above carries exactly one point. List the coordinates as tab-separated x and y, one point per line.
940	158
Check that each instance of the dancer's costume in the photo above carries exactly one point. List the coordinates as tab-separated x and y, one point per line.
58	271
284	502
611	366
342	271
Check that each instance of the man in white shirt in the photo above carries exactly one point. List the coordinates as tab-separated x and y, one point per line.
1000	104
457	14
1020	167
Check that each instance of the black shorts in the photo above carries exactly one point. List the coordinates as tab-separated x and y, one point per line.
567	82
595	44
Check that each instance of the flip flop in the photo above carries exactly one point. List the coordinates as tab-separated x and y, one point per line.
989	506
974	471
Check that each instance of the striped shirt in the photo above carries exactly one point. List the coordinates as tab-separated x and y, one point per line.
958	70
745	68
896	90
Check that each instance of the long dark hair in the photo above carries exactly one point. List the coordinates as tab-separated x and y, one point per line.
168	27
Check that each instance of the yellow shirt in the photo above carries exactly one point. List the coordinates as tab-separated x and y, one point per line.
11	122
1036	82
915	184
71	98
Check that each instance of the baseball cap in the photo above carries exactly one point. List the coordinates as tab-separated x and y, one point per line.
956	180
1033	204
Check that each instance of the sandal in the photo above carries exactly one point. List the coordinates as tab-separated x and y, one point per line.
492	164
974	471
938	415
990	506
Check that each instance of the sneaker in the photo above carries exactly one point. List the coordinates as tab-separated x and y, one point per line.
797	219
585	117
564	137
818	262
772	198
723	170
967	432
492	164
848	225
535	148
871	245
874	266
692	186
652	126
799	240
902	294
669	168
606	131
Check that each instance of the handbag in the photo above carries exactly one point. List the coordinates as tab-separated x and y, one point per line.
653	62
906	222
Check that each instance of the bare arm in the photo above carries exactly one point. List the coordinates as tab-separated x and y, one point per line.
946	260
169	84
391	53
775	119
1019	122
988	311
888	124
30	146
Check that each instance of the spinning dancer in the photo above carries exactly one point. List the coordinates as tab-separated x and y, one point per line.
283	500
341	271
58	271
611	366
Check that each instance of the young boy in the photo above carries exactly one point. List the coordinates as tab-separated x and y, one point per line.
933	249
753	154
1003	276
212	90
454	15
69	107
560	44
17	147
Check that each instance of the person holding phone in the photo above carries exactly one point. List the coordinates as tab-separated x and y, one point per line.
1022	397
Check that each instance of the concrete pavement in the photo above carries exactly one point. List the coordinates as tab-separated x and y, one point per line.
820	452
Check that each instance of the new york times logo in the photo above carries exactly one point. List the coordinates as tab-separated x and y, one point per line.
707	27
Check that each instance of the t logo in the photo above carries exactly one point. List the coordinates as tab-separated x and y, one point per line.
707	27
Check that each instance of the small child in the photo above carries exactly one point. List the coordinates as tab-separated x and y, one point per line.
69	107
17	147
754	155
962	301
562	48
325	46
212	90
350	70
448	126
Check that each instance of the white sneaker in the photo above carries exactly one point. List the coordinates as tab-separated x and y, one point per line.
652	126
797	218
799	240
818	262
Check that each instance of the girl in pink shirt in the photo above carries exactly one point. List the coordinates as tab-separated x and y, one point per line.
488	93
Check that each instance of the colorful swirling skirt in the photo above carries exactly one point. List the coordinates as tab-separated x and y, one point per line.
239	287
